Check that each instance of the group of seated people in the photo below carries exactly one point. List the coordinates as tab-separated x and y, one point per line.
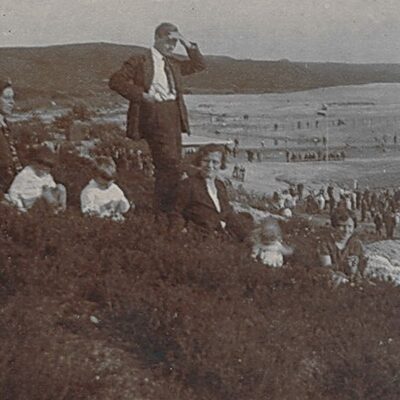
202	199
34	183
24	187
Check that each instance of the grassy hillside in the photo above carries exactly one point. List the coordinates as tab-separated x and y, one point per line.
96	310
82	70
92	309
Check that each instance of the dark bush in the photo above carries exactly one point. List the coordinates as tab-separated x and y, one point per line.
63	122
79	112
82	112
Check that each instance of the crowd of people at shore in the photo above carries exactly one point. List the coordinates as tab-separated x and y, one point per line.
346	210
320	155
381	207
201	198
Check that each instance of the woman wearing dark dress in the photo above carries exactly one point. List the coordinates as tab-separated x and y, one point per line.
342	251
10	164
203	199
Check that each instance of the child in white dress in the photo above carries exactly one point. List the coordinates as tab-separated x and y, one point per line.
267	244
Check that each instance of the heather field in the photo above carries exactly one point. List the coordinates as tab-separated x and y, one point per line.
92	309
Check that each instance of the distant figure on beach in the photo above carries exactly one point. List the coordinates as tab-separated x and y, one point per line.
152	82
10	164
242	173
235	173
331	198
250	155
378	221
102	197
300	191
235	149
35	183
321	200
389	219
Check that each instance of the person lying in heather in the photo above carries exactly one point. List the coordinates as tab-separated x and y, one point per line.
102	197
203	199
342	251
35	183
267	244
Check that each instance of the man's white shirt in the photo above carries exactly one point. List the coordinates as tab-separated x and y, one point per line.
159	89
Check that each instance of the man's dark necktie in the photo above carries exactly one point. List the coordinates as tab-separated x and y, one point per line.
170	75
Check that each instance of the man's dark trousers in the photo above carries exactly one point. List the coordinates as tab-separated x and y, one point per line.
162	130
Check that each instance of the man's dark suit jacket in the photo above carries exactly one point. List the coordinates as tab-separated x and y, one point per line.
135	77
195	204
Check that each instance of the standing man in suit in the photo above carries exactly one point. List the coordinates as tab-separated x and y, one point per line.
152	82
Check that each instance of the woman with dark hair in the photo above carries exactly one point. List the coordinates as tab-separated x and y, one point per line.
342	251
10	164
203	199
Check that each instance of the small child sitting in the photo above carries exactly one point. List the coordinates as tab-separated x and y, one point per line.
35	183
267	244
101	196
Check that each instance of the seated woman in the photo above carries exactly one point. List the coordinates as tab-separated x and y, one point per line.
342	251
101	196
203	199
10	164
35	182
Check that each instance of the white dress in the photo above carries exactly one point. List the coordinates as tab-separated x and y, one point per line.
108	202
269	254
27	187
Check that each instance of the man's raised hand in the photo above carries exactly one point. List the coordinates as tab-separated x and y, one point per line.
178	36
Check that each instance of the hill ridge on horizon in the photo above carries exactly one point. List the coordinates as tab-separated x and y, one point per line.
70	71
222	56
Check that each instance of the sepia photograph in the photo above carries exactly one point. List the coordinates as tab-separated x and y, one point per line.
199	200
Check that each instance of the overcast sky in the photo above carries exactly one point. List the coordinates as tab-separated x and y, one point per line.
301	30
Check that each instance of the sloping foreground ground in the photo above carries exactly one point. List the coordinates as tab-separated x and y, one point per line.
91	309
